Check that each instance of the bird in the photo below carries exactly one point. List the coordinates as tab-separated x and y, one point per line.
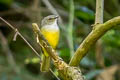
51	32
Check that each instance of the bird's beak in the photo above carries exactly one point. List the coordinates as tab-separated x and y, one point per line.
56	17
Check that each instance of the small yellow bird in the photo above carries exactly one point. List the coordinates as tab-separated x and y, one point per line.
51	32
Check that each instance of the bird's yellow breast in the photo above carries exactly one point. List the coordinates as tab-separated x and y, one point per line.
52	36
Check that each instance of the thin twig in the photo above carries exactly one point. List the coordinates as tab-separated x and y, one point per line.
15	29
54	74
70	28
18	33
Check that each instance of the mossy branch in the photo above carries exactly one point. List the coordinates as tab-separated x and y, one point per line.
67	72
98	31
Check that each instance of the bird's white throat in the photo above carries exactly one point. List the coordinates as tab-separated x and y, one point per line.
53	26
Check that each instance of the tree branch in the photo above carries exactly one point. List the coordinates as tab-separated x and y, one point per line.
99	20
67	72
90	40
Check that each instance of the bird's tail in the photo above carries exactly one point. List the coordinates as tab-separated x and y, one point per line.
45	65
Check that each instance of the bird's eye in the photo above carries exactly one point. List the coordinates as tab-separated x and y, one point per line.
50	19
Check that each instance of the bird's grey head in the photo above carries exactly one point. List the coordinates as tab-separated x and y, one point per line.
49	20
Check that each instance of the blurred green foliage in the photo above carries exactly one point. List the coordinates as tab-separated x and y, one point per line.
6	2
84	13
